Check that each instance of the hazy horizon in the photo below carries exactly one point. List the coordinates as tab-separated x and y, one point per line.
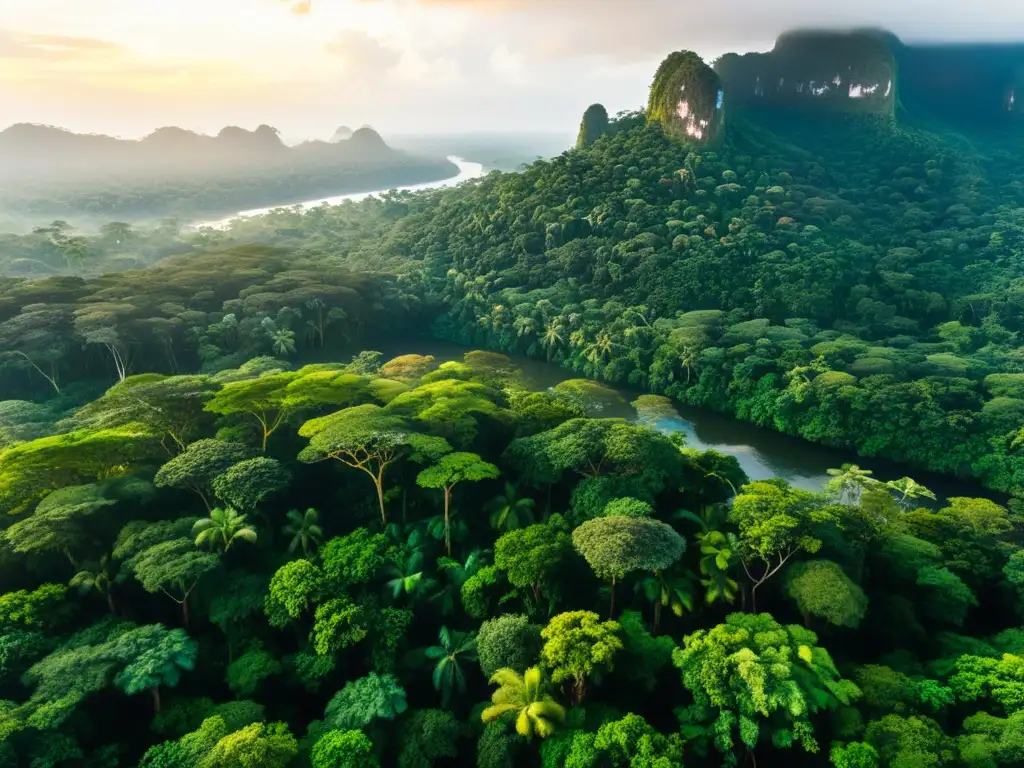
127	67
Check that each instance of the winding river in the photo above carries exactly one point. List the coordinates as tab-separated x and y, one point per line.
467	170
761	452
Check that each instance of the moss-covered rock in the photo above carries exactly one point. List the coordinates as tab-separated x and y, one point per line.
593	126
686	98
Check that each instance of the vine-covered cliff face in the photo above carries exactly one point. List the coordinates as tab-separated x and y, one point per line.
593	126
686	98
872	71
841	71
967	84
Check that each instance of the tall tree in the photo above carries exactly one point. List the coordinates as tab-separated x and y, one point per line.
578	646
265	398
249	482
530	556
157	658
174	568
450	470
367	438
775	522
616	545
60	522
755	677
197	467
171	406
848	482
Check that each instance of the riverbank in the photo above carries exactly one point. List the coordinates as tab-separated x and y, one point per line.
467	170
762	453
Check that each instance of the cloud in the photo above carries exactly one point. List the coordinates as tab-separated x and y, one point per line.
632	30
422	71
363	54
507	65
16	45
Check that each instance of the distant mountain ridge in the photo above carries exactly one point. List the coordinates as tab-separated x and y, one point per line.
343	133
28	149
49	173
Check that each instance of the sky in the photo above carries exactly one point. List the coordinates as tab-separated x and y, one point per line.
126	67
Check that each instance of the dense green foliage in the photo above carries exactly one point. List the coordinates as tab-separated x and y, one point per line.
372	628
405	562
777	277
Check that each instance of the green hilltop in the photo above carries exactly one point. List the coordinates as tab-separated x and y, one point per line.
235	535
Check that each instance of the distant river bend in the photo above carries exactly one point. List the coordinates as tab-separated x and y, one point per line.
761	453
467	170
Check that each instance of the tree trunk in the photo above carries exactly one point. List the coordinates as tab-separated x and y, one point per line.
206	502
611	607
657	616
155	690
110	602
378	481
579	689
184	611
447	524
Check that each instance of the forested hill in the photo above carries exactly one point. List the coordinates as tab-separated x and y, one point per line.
848	276
48	173
233	535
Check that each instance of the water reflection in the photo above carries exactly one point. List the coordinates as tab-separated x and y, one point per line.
761	453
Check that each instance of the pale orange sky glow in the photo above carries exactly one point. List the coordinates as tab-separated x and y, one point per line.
306	66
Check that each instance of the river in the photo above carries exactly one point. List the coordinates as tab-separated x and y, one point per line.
761	452
467	170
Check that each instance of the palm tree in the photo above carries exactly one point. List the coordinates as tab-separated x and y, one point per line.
508	511
304	530
407	578
100	578
283	342
719	552
671	591
452	649
600	348
552	337
456	574
523	325
525	697
849	482
909	490
222	528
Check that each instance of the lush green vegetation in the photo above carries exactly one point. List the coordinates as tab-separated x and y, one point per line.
221	549
339	564
799	288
